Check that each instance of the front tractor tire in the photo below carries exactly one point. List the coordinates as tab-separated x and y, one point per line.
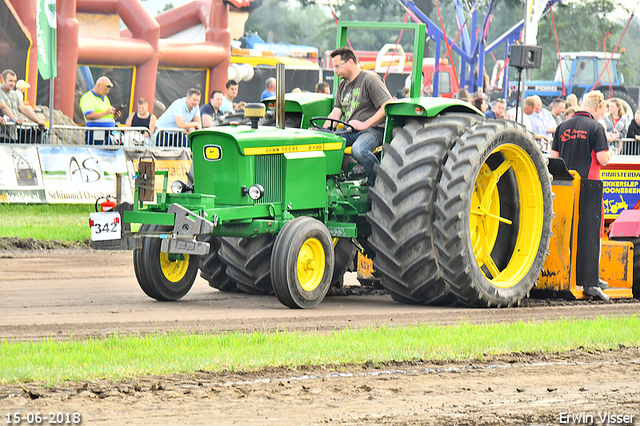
401	214
493	215
247	261
164	276
302	263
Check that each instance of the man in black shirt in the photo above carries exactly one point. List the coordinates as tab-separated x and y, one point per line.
211	110
582	143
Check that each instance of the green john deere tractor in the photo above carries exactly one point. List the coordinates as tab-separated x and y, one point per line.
461	208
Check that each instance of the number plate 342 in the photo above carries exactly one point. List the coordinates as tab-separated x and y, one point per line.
105	226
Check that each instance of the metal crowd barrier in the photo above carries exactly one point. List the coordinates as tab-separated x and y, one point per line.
171	137
627	146
30	133
99	136
25	133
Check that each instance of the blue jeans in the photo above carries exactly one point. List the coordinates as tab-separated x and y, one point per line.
362	144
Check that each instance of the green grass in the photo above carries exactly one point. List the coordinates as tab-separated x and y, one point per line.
120	357
66	222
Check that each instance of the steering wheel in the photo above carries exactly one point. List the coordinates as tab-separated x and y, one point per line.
333	125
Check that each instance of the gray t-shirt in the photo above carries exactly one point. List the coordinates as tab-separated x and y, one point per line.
362	98
12	100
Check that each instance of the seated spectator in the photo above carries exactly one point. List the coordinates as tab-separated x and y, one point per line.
499	109
463	95
632	133
480	102
323	87
213	109
183	113
141	118
229	96
615	120
270	89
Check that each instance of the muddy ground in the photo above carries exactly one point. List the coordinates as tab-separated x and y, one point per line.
76	293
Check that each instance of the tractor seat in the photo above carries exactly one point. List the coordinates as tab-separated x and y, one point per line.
347	150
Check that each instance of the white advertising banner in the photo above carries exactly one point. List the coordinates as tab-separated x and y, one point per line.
82	175
20	176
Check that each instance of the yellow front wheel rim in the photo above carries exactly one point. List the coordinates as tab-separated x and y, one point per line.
174	270
486	216
310	265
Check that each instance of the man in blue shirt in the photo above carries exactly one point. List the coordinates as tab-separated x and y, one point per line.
270	90
183	113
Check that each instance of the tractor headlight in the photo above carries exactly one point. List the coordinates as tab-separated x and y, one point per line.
256	192
178	187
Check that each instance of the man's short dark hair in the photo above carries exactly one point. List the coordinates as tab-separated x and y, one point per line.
231	83
558	101
321	87
345	54
7	72
214	92
192	92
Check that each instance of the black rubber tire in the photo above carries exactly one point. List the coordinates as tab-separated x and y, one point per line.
636	263
141	276
401	214
213	269
160	286
284	263
248	262
345	253
515	274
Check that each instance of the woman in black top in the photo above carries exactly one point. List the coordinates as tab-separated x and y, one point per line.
142	118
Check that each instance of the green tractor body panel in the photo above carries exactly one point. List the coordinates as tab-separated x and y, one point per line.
399	110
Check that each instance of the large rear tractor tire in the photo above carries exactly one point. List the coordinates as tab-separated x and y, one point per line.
164	276
302	263
493	215
213	269
402	214
247	261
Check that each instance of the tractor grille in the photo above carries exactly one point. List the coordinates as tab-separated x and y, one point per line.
269	175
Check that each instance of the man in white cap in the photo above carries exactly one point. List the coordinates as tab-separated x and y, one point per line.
98	112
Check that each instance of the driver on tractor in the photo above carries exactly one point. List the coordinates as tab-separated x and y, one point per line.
360	101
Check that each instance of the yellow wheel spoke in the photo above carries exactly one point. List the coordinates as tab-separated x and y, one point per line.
483	212
492	184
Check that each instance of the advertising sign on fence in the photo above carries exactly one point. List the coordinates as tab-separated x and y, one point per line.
20	176
621	189
82	175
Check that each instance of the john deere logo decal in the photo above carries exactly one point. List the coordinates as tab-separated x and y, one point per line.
212	153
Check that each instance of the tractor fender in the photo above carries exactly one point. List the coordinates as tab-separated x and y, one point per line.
627	224
427	107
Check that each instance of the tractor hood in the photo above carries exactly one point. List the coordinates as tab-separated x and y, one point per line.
265	140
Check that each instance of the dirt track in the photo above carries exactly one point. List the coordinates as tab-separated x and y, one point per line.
81	293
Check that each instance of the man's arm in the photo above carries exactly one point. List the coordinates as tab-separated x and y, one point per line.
30	114
555	154
371	121
335	113
95	114
206	120
604	156
181	124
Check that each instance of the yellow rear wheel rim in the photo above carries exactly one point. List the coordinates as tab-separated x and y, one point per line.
174	270
310	265
485	216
